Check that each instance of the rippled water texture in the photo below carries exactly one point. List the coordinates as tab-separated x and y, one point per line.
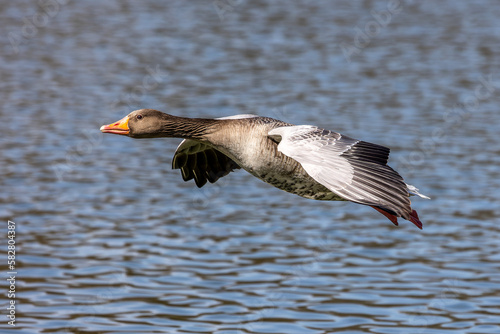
111	240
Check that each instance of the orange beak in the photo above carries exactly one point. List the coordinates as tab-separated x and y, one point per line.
119	128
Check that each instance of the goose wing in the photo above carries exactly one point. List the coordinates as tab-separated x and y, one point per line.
201	162
353	169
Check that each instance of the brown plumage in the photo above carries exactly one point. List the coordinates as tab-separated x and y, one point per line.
304	160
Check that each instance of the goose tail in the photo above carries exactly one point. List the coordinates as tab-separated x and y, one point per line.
394	219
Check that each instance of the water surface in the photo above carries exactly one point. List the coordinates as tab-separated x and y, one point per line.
111	240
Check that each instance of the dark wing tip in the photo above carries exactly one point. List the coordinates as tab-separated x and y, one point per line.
392	217
202	163
414	219
366	151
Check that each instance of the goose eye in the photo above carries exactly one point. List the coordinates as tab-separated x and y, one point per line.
139	116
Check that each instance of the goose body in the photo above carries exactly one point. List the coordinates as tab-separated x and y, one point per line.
251	148
300	159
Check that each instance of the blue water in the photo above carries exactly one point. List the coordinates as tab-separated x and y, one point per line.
109	239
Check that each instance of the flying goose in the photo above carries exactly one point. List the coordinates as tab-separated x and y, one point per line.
301	159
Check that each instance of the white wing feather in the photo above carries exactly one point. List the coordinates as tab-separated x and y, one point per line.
353	169
318	156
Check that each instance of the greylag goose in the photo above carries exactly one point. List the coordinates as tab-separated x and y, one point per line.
301	159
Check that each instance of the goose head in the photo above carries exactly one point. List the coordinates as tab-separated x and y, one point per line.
143	123
150	123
